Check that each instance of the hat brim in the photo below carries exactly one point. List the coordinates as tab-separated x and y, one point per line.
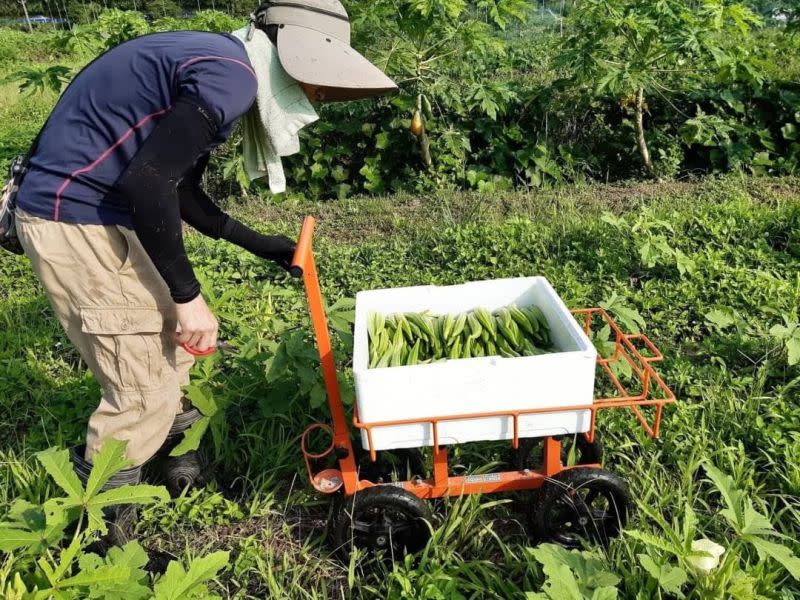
312	57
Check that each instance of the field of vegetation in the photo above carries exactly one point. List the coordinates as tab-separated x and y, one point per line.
537	169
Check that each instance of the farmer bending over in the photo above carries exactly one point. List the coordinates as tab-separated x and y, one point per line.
118	166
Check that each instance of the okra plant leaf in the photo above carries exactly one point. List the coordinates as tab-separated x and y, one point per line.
789	334
110	460
720	319
629	318
131	556
177	584
754	523
730	494
192	437
318	395
778	552
669	577
202	399
101	576
127	494
13	538
56	462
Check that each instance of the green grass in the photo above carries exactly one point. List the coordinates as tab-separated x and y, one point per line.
738	403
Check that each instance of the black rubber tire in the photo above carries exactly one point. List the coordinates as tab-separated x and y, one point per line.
386	521
391	465
525	457
581	505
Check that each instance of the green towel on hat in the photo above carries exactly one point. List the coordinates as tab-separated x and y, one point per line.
280	111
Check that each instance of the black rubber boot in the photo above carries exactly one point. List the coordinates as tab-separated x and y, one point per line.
120	519
189	470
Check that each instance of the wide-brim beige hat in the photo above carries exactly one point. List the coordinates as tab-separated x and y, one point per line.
314	48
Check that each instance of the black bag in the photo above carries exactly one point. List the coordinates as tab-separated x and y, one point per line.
8	204
8	198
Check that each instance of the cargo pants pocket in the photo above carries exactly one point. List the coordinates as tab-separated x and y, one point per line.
128	346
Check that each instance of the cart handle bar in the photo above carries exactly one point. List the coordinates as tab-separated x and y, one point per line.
302	251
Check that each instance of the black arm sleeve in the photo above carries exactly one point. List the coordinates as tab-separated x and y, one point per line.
200	212
150	181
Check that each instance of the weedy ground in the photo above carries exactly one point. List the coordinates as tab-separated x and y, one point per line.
712	267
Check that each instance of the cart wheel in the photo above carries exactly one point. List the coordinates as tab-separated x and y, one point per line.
386	521
391	465
529	453
579	505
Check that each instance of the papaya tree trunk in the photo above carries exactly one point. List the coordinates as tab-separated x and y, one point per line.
639	125
27	17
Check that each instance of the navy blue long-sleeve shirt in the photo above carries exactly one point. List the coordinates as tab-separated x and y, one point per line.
114	104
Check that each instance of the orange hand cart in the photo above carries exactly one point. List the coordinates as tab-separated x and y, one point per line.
574	503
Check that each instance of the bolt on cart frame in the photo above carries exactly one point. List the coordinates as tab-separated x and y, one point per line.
653	392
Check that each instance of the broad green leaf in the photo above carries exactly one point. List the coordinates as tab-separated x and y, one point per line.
192	437
101	576
132	556
107	462
130	494
176	583
721	319
793	348
670	578
629	318
318	395
56	463
127	494
561	583
202	400
684	263
12	539
754	523
67	557
778	552
649	254
605	593
732	496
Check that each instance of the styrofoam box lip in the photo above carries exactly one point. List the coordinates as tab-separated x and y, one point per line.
361	354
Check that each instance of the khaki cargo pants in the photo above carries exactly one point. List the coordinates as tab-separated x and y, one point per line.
118	313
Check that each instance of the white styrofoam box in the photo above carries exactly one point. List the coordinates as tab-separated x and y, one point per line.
474	385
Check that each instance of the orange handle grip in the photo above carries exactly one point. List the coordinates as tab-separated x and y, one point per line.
302	251
196	352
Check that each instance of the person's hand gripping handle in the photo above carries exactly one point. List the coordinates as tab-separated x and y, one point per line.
199	327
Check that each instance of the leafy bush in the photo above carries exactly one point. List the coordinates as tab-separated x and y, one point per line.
42	567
